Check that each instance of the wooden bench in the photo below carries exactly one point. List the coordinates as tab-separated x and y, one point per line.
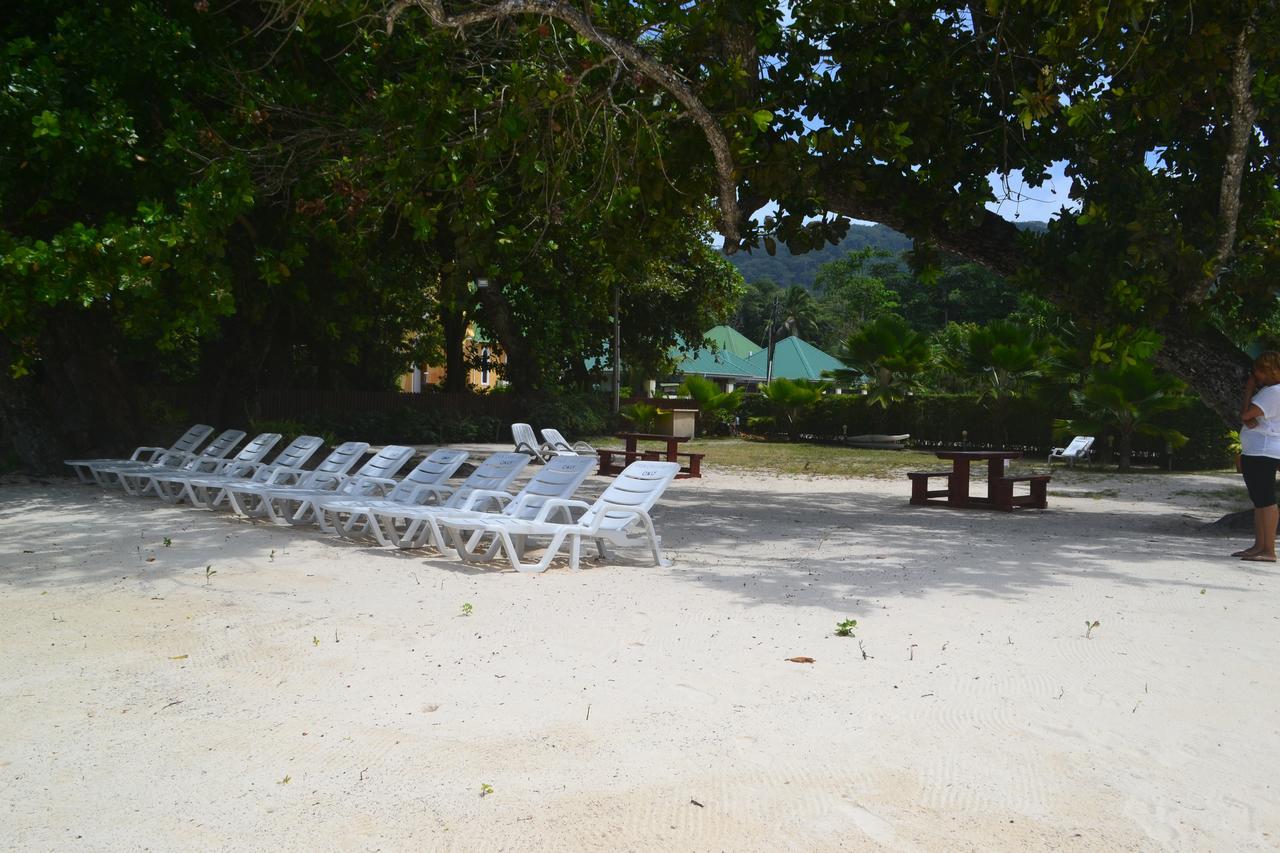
1038	498
609	468
920	491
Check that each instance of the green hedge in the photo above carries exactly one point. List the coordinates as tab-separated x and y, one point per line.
954	420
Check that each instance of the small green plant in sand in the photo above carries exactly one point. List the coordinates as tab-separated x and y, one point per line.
285	781
485	789
466	609
209	572
315	641
167	541
845	628
1089	626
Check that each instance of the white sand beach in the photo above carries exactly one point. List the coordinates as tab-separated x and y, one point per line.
251	687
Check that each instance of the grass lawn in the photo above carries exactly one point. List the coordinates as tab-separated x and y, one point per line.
780	457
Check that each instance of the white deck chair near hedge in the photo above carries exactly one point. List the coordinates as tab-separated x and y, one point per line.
426	482
557	443
170	485
557	480
493	475
527	442
620	517
371	480
209	491
1081	447
190	440
138	480
249	499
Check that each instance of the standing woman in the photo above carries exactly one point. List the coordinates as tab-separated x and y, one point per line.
1260	453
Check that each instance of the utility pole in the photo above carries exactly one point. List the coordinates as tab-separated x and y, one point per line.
617	348
768	359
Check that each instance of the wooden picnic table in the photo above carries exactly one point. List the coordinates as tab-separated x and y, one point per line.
999	485
632	452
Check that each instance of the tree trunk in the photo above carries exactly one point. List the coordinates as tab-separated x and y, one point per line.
522	368
1125	450
454	324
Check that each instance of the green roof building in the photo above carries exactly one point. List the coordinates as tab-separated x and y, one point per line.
795	359
731	340
716	365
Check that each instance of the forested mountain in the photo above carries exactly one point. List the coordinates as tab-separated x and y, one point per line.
786	269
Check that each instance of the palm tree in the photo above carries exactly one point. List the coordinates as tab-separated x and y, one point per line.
1006	360
791	398
1126	399
716	407
800	313
887	356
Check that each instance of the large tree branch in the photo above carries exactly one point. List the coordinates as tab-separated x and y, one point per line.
1243	115
626	52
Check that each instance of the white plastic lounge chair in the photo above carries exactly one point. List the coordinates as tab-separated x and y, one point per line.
620	516
297	505
557	480
557	443
492	475
249	499
171	485
1080	448
185	445
138	479
527	442
426	482
286	468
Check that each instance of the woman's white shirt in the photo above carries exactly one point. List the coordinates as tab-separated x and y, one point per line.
1264	439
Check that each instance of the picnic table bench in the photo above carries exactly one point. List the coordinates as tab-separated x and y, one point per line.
999	485
690	467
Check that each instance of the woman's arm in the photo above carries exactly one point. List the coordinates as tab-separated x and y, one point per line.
1249	413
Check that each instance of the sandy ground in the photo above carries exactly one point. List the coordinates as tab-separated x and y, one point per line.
249	687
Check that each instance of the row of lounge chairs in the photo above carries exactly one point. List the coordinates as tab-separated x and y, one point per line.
553	444
477	520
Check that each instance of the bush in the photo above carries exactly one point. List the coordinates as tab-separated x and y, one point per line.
943	420
574	414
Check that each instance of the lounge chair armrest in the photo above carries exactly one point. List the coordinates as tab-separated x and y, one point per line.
385	484
559	503
583	448
441	492
438	491
155	452
606	508
479	497
280	472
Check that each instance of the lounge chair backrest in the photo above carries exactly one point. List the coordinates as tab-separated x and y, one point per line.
191	439
337	463
555	440
439	466
259	447
298	452
559	478
526	441
493	474
638	486
1080	444
221	446
386	462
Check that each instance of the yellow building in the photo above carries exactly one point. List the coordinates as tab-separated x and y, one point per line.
483	355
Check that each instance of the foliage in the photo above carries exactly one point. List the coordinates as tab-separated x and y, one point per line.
790	399
716	408
1129	400
887	358
643	416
